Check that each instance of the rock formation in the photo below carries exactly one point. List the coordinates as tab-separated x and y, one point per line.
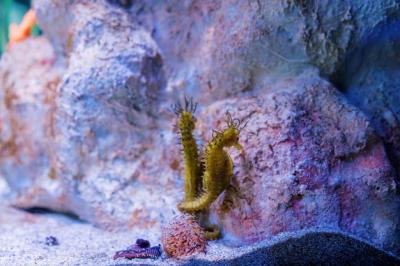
85	127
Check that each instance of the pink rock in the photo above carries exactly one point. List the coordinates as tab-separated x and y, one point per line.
311	160
29	82
87	144
216	49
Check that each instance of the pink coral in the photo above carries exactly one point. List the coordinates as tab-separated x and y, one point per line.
183	237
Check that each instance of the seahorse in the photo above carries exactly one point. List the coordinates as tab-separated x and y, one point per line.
191	160
218	169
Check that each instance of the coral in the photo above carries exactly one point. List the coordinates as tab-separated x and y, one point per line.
21	32
183	236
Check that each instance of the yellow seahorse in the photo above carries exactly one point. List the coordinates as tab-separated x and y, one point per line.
218	169
190	152
218	166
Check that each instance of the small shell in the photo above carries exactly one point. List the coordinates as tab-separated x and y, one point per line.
140	250
183	237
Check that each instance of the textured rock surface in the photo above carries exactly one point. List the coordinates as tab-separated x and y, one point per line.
29	81
377	94
107	105
104	148
219	48
310	159
371	82
101	118
95	124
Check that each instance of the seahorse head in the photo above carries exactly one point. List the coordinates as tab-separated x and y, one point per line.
187	121
186	114
230	138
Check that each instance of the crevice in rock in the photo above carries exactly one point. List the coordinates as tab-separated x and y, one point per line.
121	3
375	51
47	211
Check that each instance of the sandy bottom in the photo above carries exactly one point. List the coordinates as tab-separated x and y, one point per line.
23	234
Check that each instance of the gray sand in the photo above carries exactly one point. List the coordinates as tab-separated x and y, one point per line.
22	242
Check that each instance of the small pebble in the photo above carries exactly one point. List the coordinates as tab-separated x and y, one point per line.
51	241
